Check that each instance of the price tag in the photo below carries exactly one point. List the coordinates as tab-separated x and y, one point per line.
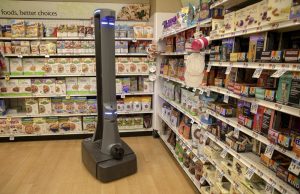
202	179
208	93
192	121
188	152
250	172
123	96
20	56
194	89
295	167
47	56
269	189
208	68
236	133
203	158
254	107
8	119
68	97
269	151
11	138
220	175
226	98
195	159
7	77
228	70
200	91
224	153
279	73
257	73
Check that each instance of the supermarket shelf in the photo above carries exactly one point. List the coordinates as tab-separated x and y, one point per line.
203	22
172	79
71	38
202	156
177	31
272	105
131	54
257	65
132	74
226	3
50	96
135	130
174	54
62	75
135	93
133	112
24	115
194	181
264	28
234	123
252	161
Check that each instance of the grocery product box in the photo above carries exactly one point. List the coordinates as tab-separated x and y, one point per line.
256	45
32	106
279	10
17	87
15	126
68	105
118	86
93	83
27	126
60	87
72	85
16	66
88	66
34	46
48	87
39	125
80	104
143	66
89	123
57	105
75	123
4	126
84	85
229	22
51	66
92	105
52	125
28	66
45	106
240	19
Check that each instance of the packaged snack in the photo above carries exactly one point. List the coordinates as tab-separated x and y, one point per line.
92	105
64	124
136	104
45	106
138	122
52	124
128	102
60	87
32	106
69	105
29	66
60	46
72	31
57	105
125	85
120	105
39	66
18	29
39	125
279	10
75	123
89	123
62	31
148	86
7	48
23	87
16	66
229	22
34	46
93	84
72	85
84	85
80	104
148	32
138	31
27	124
15	126
4	127
146	103
118	86
48	87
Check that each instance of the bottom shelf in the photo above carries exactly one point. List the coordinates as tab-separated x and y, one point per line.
196	182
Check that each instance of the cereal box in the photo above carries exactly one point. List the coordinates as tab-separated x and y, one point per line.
37	87
89	123
39	125
57	105
32	106
229	22
92	105
60	87
84	85
51	66
75	123
16	66
16	126
24	86
45	106
52	124
27	124
64	124
28	66
4	126
68	105
39	66
72	85
80	104
279	10
93	84
48	87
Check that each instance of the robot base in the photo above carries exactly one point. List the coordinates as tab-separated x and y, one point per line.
103	166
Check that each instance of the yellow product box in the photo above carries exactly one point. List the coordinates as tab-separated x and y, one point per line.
279	10
229	22
240	19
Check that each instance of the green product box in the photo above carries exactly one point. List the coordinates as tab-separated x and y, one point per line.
284	87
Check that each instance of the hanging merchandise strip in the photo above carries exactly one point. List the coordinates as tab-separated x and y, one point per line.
248	159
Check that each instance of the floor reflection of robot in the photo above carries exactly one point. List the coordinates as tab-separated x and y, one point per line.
105	155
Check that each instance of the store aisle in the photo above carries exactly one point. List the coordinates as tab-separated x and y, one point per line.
55	167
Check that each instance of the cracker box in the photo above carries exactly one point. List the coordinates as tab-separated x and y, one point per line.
32	106
84	85
92	106
36	87
52	125
16	126
39	64
89	123
60	87
48	87
279	10
45	106
27	126
50	67
229	22
39	125
72	85
64	124
16	66
118	85
240	19
57	105
80	104
68	105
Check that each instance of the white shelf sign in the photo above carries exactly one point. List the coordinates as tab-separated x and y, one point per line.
208	93
269	189
250	172
228	70
236	133
295	167
269	151
208	68
279	73
224	153
11	138
226	98
202	180
220	175
195	159
257	73
254	107
122	95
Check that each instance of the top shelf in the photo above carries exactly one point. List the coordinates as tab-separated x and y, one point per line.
226	3
72	38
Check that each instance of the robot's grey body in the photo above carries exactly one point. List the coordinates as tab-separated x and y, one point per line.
105	155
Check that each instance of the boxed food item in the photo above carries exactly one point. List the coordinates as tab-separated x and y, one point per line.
240	19
87	66
5	69
61	65
16	66
143	66
57	105
7	48
75	123
60	46
276	56
93	84
252	16
256	46
229	22
72	85
148	32
60	87
84	85
28	126
72	30
146	103
138	122
294	95
89	123
35	47
39	125
29	66
45	106
120	105
118	86
18	29
125	85
279	10
15	126
128	103
80	104
23	87
48	87
32	106
291	55
52	124
148	86
68	105
62	30
295	10
133	65
72	68
4	127
138	31
38	66
92	105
